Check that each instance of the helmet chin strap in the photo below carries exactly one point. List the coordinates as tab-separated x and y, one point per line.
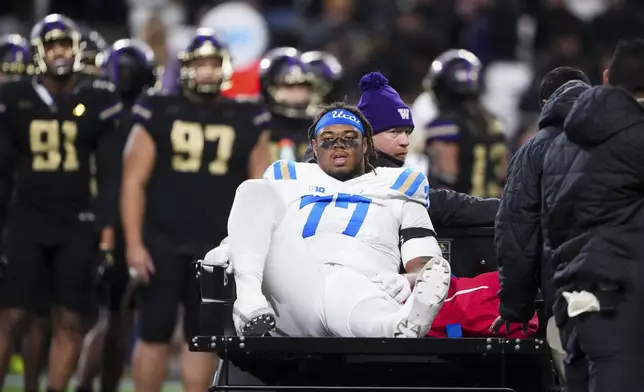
195	95
60	77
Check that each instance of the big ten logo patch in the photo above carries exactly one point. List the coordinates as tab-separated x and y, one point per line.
317	189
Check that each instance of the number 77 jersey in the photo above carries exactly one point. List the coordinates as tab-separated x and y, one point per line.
357	223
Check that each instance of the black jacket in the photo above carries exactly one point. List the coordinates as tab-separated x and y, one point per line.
594	194
520	246
449	208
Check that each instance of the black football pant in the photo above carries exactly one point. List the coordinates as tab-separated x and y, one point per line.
172	284
598	351
49	264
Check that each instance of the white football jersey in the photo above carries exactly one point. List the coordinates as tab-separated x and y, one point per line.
355	223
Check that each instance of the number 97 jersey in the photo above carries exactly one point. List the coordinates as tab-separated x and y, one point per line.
202	153
357	223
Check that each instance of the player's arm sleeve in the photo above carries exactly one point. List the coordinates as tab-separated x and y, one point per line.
518	237
108	165
281	170
453	209
255	214
260	157
6	177
417	235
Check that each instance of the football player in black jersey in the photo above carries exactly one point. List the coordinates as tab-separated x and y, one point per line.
131	66
328	73
14	57
14	61
287	88
92	50
49	126
16	64
466	145
185	156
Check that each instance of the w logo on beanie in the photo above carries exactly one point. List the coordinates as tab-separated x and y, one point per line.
404	113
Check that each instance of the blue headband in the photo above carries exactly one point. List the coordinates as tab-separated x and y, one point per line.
339	116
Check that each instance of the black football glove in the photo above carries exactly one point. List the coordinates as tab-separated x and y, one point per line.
105	269
106	262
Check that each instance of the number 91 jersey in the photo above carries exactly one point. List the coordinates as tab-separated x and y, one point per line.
52	142
355	223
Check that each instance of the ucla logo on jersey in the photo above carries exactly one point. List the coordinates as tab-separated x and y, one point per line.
318	189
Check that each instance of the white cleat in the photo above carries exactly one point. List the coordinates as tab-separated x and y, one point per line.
430	291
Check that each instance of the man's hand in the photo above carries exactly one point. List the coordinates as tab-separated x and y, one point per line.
396	285
220	256
107	237
140	263
496	326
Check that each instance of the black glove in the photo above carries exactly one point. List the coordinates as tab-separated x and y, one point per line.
105	269
106	262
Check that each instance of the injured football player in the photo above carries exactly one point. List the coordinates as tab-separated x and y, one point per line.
316	247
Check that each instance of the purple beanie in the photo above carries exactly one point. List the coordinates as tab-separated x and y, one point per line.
381	104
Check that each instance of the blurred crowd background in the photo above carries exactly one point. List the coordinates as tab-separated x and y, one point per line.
517	40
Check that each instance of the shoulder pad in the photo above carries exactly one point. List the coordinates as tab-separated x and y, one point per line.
262	118
13	91
281	170
289	170
409	182
154	91
101	84
143	107
11	87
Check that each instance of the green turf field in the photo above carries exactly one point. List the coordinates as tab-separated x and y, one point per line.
13	383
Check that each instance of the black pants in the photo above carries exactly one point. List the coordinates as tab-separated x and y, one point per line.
49	263
634	371
170	285
598	351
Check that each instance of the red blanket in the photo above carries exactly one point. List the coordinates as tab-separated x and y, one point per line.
471	306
